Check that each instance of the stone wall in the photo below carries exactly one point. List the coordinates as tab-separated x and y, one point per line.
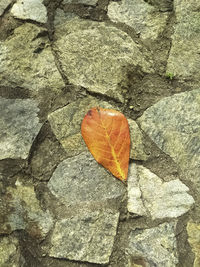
58	207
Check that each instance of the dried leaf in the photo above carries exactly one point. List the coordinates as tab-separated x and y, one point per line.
106	134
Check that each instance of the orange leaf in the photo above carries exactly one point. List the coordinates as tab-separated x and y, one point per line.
106	134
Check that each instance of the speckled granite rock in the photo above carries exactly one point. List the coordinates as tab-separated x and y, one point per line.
21	210
184	57
174	125
157	246
30	9
85	2
162	5
9	252
137	151
144	18
3	5
193	230
81	179
19	127
149	195
34	69
100	56
85	237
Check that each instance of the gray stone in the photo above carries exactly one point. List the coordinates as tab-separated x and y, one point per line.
9	252
85	2
100	57
144	18
157	246
66	123
193	230
19	127
81	179
162	5
149	195
174	125
22	211
184	57
35	69
3	5
30	9
137	151
85	237
61	16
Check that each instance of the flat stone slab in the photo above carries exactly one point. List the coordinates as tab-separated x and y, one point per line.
148	195
30	9
155	246
85	237
184	57
143	17
100	57
173	124
35	69
81	179
19	126
193	230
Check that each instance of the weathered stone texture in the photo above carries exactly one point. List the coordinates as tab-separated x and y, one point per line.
85	2
9	252
19	127
174	125
193	230
30	9
81	179
99	57
3	5
85	237
137	151
142	17
21	210
184	57
149	195
157	246
26	61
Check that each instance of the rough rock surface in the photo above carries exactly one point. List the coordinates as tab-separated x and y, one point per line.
9	252
81	179
35	68
144	18
30	9
19	126
3	5
100	56
66	125
137	151
157	246
85	2
85	237
193	230
184	57
23	211
149	195
162	5
178	135
62	16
